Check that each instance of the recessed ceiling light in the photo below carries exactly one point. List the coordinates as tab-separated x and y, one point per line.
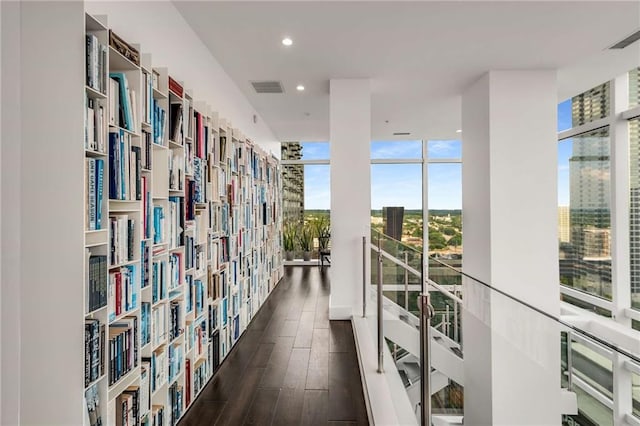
287	41
300	87
459	131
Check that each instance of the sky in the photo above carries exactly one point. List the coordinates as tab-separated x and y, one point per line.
400	184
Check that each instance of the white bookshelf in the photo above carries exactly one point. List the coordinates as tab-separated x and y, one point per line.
223	239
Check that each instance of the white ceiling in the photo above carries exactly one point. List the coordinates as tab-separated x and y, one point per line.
420	56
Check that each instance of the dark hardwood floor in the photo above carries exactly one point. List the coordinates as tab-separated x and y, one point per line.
291	367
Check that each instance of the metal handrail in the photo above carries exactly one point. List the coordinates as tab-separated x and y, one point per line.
417	274
569	326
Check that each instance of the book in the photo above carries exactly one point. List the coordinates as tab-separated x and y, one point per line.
125	105
92	401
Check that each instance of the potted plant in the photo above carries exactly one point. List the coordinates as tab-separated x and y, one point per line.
289	240
323	232
305	240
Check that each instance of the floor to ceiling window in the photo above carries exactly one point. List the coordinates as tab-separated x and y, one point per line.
599	239
306	198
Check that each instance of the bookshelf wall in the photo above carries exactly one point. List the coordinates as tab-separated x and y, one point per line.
181	236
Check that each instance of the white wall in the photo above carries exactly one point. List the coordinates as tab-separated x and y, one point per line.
10	166
51	209
162	31
350	135
510	240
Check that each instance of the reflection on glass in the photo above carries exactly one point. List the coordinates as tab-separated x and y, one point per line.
444	149
586	305
634	213
635	325
634	87
564	364
635	391
591	105
593	368
396	150
591	412
449	400
584	213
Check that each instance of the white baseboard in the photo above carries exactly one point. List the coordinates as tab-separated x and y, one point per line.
339	312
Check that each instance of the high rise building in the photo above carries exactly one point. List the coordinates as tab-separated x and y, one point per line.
588	257
292	183
564	224
393	217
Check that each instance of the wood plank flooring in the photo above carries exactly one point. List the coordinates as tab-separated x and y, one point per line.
291	367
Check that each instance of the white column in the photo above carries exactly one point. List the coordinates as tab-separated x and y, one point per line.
350	140
51	207
509	180
10	122
620	192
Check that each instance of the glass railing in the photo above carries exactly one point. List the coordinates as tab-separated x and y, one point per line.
480	334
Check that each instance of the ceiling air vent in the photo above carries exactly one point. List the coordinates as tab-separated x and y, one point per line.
627	41
267	86
401	134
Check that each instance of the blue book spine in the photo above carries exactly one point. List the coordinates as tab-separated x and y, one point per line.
91	177
123	164
113	155
99	190
124	99
154	112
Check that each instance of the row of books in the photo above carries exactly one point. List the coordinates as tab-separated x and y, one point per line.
177	134
158	416
176	222
146	207
147	150
158	225
189	251
176	356
128	407
122	291
95	125
158	123
93	415
158	325
158	363
96	268
176	270
145	323
121	244
145	268
96	53
200	377
122	101
176	170
94	170
197	336
175	320
94	336
123	348
201	136
199	177
159	280
175	401
125	167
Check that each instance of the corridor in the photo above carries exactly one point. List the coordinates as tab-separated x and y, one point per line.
291	367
